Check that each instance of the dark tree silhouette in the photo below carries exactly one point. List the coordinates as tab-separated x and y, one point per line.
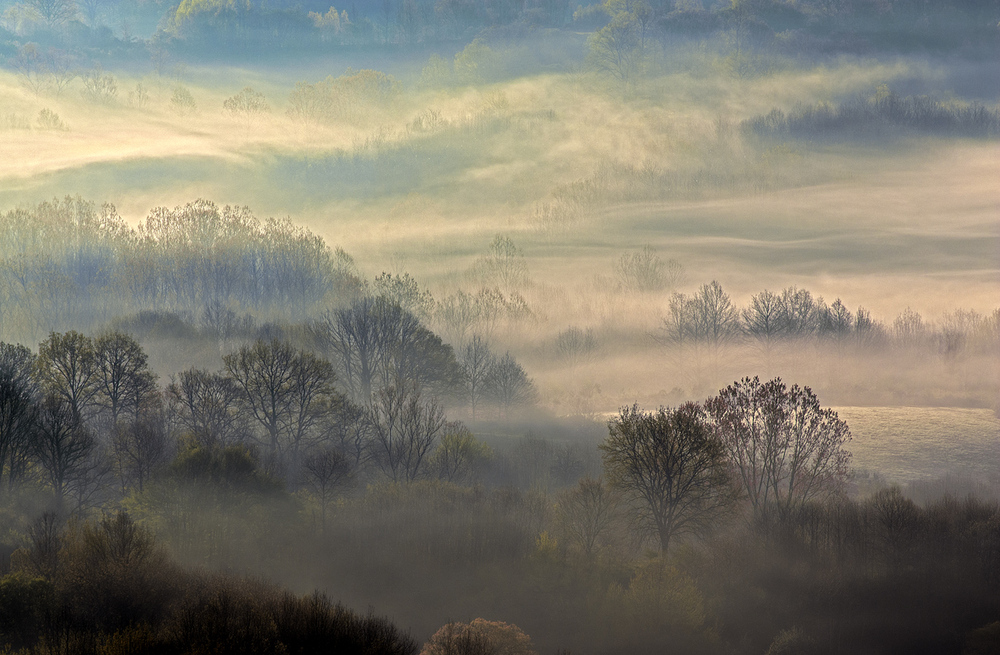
206	405
672	466
18	406
785	449
66	370
404	428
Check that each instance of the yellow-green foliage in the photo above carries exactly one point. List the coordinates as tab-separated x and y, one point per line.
349	97
658	596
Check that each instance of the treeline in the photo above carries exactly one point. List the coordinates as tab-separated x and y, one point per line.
709	317
882	115
86	418
70	265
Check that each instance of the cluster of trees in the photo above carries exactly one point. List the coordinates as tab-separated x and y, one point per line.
709	317
883	114
85	411
682	468
70	264
746	496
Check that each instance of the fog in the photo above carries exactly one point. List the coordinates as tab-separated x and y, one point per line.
470	239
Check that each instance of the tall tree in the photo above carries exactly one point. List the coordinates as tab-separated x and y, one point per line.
284	389
123	378
509	385
477	363
62	445
785	449
404	428
207	405
672	467
66	369
18	406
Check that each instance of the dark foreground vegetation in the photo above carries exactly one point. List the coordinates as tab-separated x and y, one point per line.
729	526
107	588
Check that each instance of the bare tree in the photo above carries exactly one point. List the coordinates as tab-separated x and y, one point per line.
284	389
125	383
66	369
55	13
248	107
785	449
587	513
404	428
799	312
376	343
672	468
206	405
644	270
764	320
510	386
477	363
62	445
346	426
502	266
326	472
18	405
139	448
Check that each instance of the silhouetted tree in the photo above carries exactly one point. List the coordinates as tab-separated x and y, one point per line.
207	405
404	428
18	406
477	364
785	449
140	447
284	389
66	369
124	382
62	445
672	466
587	512
509	385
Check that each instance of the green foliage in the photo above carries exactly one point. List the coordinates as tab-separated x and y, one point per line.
459	456
658	598
471	65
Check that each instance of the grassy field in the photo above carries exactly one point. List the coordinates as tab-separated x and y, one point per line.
925	444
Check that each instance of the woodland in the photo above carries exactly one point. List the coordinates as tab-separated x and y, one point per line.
499	327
